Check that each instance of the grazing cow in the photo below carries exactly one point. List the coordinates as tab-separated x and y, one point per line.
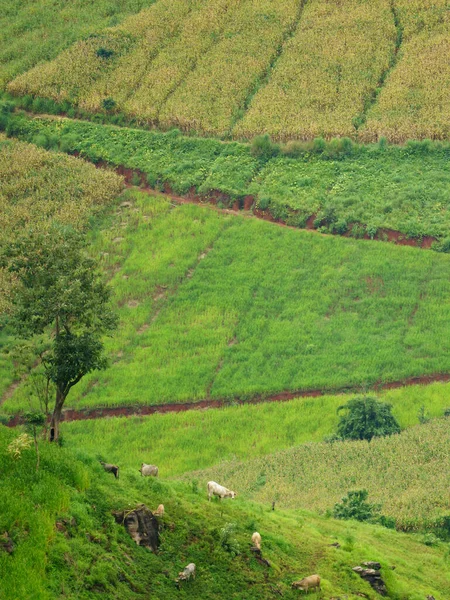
218	490
256	539
111	469
159	512
307	583
147	470
186	573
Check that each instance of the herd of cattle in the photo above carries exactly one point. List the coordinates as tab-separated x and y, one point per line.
214	489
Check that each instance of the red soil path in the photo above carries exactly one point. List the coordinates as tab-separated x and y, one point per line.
247	204
72	414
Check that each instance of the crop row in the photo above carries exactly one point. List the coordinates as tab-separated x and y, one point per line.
214	95
100	64
336	185
227	44
295	70
326	73
414	103
37	186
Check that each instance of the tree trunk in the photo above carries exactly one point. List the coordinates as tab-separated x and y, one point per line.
36	446
56	417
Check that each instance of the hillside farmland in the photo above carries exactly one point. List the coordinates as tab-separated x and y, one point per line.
293	69
222	231
214	306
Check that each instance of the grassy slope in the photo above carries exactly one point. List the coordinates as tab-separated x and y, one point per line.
221	306
406	473
89	556
199	439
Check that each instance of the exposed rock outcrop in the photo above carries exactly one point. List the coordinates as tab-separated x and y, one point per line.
142	526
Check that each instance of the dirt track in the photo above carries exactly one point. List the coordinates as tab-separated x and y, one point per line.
71	414
248	205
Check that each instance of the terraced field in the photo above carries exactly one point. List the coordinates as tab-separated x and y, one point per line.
215	306
218	305
336	187
293	69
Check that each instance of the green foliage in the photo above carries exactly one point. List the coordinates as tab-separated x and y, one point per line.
422	415
227	540
34	419
108	104
60	293
370	188
263	148
104	53
354	506
366	418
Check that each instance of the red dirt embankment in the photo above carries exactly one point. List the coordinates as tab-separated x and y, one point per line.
72	414
248	204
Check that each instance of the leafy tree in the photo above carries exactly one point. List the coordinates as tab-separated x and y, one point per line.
354	506
59	293
366	418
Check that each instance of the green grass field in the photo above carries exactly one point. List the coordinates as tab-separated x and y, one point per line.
181	442
87	555
217	306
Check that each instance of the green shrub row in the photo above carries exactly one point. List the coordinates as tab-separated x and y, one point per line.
338	187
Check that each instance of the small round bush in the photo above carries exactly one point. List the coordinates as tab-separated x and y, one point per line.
366	418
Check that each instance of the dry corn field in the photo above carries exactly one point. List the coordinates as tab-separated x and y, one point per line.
296	69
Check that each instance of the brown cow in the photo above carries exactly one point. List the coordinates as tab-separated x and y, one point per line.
307	583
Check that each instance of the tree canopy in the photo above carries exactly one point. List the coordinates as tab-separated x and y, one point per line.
366	417
58	292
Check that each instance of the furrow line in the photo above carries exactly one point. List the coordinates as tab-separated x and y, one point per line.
137	410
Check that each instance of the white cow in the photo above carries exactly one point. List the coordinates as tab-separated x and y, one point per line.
187	572
218	490
256	539
159	512
147	470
